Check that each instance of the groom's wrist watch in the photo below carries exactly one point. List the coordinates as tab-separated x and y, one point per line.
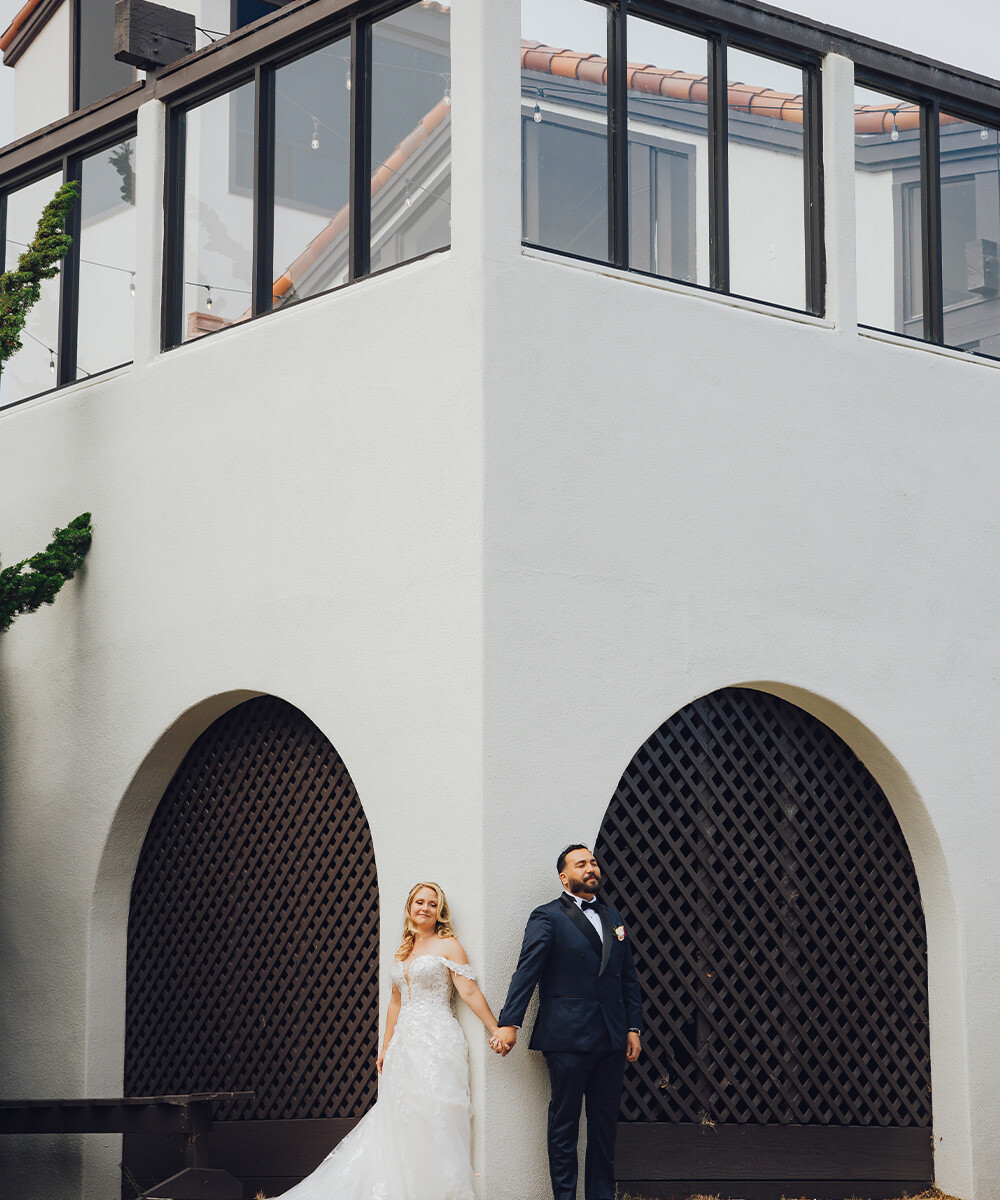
632	1029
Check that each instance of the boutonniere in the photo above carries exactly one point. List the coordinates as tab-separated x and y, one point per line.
620	932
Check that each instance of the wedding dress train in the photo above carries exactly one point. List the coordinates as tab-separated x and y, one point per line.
415	1143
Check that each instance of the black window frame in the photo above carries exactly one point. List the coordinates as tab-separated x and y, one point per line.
930	176
68	164
76	29
295	28
344	22
685	151
719	30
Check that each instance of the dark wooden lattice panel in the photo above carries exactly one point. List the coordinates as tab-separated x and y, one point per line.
253	930
776	921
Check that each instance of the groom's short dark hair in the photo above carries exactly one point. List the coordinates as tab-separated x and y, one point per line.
561	860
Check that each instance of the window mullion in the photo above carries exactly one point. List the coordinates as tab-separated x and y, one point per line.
930	216
361	149
263	193
69	292
718	150
173	250
812	133
618	189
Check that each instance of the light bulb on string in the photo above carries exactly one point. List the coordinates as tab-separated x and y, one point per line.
131	284
52	362
315	137
208	297
536	116
984	135
447	97
894	135
408	199
347	82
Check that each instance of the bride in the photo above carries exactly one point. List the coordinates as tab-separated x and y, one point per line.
415	1143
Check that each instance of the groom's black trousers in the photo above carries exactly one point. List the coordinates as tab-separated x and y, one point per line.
597	1077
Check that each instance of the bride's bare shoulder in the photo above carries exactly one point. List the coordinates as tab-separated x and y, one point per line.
452	948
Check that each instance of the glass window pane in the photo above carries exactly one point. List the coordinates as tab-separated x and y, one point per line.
767	240
411	134
970	234
99	72
668	152
564	122
312	176
887	192
218	213
33	368
107	260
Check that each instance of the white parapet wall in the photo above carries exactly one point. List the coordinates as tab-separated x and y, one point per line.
489	520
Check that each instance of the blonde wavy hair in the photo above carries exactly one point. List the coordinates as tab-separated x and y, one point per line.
442	928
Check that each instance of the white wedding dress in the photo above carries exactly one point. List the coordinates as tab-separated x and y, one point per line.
415	1143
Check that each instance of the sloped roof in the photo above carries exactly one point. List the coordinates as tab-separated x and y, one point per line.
383	175
651	80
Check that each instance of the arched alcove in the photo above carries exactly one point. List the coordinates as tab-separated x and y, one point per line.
252	958
776	921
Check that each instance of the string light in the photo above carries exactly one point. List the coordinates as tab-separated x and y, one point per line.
52	361
536	116
131	286
894	136
984	135
347	83
447	97
315	137
408	200
208	296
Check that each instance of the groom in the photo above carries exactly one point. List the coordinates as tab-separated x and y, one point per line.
589	1020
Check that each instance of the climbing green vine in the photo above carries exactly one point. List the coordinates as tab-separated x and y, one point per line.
22	285
35	581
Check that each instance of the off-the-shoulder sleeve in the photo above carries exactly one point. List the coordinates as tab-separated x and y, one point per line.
461	968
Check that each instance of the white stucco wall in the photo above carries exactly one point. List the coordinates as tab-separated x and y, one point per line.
43	80
489	520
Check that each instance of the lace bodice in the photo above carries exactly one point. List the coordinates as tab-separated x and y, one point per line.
424	980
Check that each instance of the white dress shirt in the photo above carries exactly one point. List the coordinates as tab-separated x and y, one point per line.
590	914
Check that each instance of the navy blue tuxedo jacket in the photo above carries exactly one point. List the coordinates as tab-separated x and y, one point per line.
587	993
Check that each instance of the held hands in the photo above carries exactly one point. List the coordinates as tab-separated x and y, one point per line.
632	1047
503	1040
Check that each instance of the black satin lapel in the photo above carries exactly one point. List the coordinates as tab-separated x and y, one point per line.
580	921
609	933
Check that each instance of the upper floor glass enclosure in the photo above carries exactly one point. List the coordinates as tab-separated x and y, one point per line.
674	140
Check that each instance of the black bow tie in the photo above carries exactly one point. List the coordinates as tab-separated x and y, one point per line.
588	906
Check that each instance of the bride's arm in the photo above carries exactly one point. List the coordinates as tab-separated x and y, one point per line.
390	1025
468	989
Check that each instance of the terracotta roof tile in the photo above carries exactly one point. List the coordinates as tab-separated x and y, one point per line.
338	223
14	27
650	80
875	118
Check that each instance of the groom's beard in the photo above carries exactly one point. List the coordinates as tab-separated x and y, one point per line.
587	888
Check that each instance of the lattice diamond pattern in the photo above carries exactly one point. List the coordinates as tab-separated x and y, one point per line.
253	930
776	922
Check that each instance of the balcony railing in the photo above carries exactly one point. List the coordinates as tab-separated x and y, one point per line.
681	140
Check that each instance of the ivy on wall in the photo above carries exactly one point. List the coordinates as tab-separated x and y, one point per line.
22	285
35	581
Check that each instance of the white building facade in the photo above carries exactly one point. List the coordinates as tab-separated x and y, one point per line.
514	476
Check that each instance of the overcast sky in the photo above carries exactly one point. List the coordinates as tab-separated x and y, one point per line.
965	33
